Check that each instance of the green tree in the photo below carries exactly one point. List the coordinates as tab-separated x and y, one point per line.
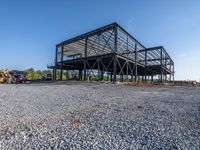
30	74
39	74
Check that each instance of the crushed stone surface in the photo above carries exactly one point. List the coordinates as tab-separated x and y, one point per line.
82	115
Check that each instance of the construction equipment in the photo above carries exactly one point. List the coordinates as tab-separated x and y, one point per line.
2	77
7	76
20	76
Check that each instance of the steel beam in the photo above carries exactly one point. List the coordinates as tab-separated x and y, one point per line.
127	34
89	34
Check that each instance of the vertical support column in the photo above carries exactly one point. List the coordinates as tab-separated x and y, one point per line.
122	77
127	63
85	55
152	78
102	74
56	58
111	75
66	75
80	74
115	56
53	73
61	64
131	76
127	70
165	59
170	70
161	65
145	66
173	72
131	72
98	69
136	71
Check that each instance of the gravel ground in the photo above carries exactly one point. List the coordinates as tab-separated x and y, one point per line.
81	115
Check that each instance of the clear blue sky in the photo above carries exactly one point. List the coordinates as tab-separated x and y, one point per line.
30	29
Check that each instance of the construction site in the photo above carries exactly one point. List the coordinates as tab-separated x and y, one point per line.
99	75
117	94
110	53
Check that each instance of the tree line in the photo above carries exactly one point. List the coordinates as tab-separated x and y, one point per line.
32	74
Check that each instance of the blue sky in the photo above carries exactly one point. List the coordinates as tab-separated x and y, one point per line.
29	30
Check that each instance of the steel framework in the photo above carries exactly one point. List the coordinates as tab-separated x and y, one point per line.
111	53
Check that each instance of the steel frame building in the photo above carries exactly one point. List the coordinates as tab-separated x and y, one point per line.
111	53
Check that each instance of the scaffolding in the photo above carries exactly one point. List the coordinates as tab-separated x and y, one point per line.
111	53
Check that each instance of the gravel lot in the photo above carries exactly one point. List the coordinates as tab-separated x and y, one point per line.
81	115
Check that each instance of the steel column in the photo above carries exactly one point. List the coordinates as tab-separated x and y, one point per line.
173	72
107	76
145	66
61	64
102	74
98	70
136	71
151	78
170	70
161	65
56	58
115	55
66	74
80	74
126	70
122	77
85	55
111	76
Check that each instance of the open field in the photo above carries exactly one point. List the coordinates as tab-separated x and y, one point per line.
81	115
